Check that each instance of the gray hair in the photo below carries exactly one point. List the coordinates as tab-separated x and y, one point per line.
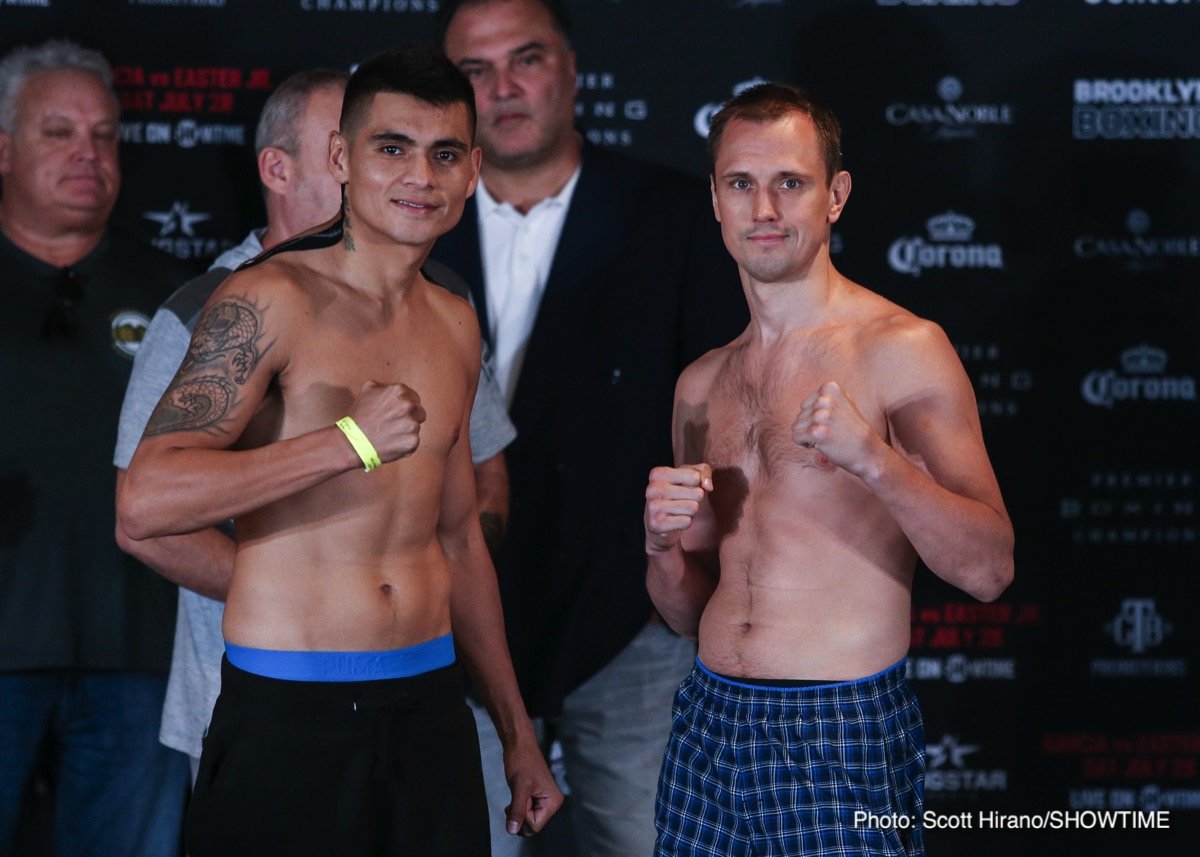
278	125
55	55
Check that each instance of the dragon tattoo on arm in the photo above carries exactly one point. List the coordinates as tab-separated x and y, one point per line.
226	346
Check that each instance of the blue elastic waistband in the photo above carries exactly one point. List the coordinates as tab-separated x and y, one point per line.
344	666
896	668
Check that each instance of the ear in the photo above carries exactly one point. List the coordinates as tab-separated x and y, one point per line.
574	74
839	192
712	189
476	162
275	169
5	153
339	157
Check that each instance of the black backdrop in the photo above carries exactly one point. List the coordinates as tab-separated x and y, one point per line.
1025	173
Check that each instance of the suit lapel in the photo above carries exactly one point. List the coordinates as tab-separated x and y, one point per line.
566	320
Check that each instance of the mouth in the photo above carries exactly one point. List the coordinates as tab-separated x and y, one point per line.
767	239
509	119
415	206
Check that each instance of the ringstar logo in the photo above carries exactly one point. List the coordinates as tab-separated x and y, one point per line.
949	120
1136	109
177	232
1138	626
179	218
1142	379
704	116
949	246
1139	250
947	770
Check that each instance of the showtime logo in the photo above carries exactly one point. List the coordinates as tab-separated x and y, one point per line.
1142	379
949	120
1139	249
949	246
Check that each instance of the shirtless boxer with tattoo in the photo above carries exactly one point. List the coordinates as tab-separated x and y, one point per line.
341	726
818	455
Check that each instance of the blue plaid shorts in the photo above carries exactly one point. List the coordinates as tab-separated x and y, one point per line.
781	771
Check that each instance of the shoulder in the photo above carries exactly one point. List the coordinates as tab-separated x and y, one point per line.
906	354
637	176
698	378
455	314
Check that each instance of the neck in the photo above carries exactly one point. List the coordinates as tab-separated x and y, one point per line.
59	248
525	185
779	307
378	265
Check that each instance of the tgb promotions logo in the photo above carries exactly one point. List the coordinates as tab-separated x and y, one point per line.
948	771
704	116
1138	626
950	245
1140	249
1136	109
1142	378
953	119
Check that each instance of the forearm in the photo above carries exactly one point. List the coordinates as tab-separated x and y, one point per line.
171	491
966	542
201	562
478	623
680	587
491	494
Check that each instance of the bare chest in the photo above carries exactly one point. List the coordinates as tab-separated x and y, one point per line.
328	366
753	410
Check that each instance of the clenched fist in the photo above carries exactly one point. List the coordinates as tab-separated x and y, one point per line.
673	498
390	415
831	423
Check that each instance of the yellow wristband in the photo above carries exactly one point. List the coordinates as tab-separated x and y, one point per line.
358	440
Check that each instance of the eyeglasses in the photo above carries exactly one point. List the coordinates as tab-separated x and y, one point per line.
60	321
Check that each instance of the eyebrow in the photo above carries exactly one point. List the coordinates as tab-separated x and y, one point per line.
783	174
405	140
525	48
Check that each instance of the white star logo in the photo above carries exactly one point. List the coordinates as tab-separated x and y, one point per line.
949	750
178	218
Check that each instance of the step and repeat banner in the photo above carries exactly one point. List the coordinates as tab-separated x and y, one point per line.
1026	173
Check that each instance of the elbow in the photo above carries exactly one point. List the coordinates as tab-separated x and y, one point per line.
996	574
134	515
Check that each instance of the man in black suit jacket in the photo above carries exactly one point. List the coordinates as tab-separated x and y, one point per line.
596	278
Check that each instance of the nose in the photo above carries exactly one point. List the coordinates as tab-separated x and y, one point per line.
419	173
86	147
504	83
764	205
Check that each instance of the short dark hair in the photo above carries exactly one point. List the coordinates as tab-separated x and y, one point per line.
421	71
279	123
556	8
767	102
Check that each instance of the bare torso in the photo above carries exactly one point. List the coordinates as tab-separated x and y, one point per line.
353	563
815	575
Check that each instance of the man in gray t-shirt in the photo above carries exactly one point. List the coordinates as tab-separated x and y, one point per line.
291	141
